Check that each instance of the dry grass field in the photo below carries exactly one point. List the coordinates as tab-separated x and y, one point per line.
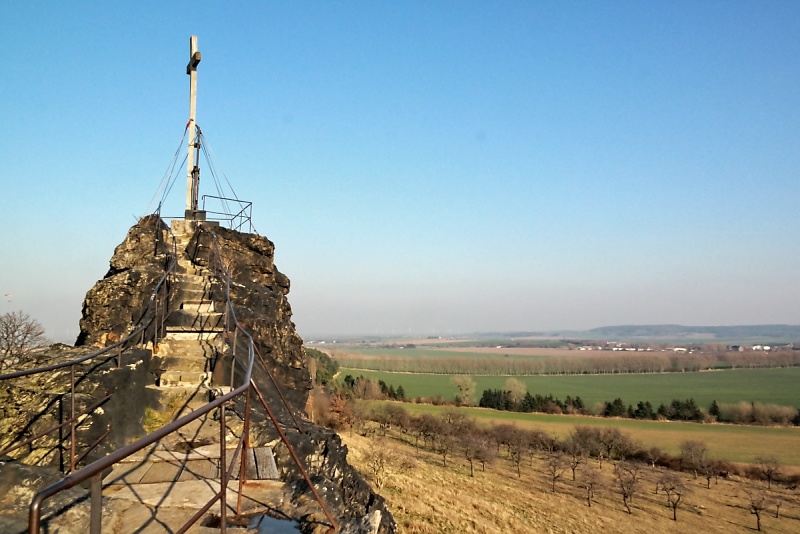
430	498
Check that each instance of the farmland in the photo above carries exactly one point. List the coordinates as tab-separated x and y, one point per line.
769	386
513	361
730	443
431	498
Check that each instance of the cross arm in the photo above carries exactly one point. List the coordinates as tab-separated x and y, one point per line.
194	60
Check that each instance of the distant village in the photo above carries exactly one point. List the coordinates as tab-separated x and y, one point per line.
712	347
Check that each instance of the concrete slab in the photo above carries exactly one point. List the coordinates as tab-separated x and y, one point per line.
194	494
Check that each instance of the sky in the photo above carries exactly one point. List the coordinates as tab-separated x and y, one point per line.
433	168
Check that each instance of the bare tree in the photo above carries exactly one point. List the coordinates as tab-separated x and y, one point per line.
445	442
609	440
503	433
20	335
485	453
466	389
654	455
692	454
475	448
575	454
589	439
769	467
672	484
757	502
517	446
627	481
709	469
555	467
384	462
776	500
590	480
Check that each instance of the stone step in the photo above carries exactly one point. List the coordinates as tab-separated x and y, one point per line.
189	279
199	305
182	378
193	294
177	400
186	266
180	363
182	335
187	320
194	348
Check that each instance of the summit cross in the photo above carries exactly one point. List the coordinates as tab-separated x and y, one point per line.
192	170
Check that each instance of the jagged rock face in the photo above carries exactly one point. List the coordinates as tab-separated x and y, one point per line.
117	301
258	292
349	499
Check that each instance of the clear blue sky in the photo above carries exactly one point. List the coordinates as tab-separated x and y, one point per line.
422	167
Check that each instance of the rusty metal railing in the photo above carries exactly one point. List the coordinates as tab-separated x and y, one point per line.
94	471
148	329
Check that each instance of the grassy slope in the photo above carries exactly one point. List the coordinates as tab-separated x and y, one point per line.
770	386
434	499
730	443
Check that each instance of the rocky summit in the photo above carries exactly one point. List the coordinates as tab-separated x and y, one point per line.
190	361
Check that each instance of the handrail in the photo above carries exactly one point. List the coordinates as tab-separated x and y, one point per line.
94	470
244	215
149	317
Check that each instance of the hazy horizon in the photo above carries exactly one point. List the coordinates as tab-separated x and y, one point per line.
422	167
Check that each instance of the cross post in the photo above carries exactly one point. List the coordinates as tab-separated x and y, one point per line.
192	169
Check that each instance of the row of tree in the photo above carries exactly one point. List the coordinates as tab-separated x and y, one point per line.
677	410
578	458
597	363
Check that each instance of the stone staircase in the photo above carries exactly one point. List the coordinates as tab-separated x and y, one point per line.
182	472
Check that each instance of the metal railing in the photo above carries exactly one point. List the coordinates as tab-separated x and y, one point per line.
238	220
94	471
149	326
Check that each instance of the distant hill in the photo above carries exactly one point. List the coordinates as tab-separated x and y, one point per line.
773	333
766	332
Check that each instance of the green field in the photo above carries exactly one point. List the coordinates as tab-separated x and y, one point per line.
768	386
730	443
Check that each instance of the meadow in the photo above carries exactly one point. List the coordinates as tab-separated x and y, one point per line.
768	386
730	443
429	498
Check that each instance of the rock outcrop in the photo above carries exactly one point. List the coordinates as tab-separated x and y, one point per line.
114	306
119	300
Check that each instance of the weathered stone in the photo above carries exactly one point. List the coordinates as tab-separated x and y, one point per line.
258	293
120	299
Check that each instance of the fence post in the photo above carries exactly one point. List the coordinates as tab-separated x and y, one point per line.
97	504
245	445
223	472
72	424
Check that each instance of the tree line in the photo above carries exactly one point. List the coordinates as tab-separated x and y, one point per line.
600	362
515	398
678	410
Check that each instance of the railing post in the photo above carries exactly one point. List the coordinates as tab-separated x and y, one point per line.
60	433
97	504
245	446
72	424
222	472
